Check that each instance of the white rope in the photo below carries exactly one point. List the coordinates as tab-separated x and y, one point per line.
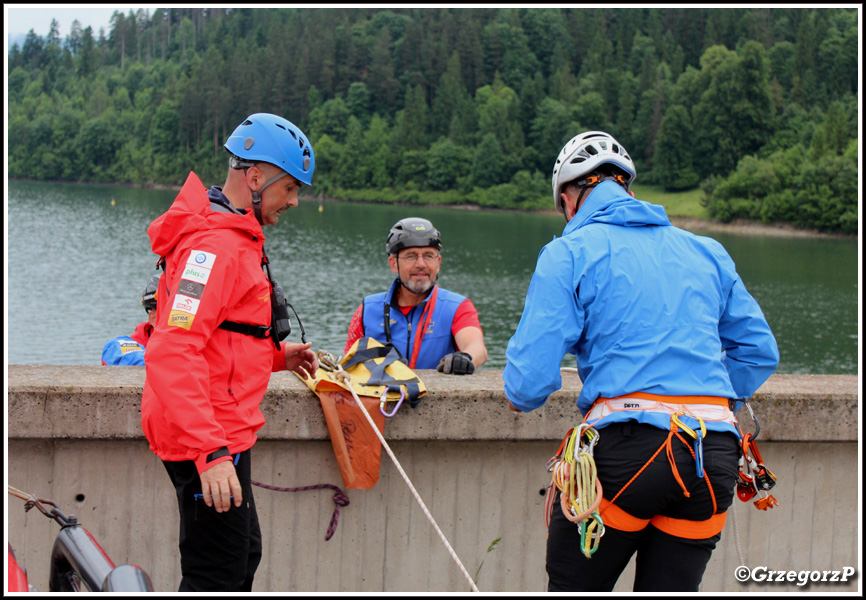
737	536
347	379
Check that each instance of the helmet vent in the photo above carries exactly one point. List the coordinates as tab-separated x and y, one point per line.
247	122
591	150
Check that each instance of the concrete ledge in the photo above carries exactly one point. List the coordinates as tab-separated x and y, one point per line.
97	402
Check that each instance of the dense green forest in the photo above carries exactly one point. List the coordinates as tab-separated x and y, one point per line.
757	107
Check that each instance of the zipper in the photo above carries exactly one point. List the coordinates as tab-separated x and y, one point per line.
409	333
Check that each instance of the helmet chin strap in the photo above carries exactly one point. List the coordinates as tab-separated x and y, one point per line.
583	192
257	195
588	184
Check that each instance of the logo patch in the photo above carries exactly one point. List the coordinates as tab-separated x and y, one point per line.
185	304
190	288
202	259
179	319
195	273
129	346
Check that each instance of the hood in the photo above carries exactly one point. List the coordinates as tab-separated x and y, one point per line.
191	212
609	203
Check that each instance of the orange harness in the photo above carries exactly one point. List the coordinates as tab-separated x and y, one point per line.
683	528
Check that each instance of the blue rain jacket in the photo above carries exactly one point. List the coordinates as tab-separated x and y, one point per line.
123	350
644	306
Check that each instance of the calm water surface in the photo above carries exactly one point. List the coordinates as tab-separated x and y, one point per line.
78	257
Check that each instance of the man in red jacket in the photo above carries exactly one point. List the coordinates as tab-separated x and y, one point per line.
215	343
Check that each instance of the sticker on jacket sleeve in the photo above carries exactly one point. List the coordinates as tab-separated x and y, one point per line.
180	319
190	288
201	259
184	303
195	273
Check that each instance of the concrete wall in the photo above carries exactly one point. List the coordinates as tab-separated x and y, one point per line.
74	436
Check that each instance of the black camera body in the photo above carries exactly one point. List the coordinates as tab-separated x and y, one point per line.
281	327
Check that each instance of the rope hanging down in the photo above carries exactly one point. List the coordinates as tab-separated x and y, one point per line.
340	499
346	378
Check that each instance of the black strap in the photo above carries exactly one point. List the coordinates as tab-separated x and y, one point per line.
257	331
387	314
378	376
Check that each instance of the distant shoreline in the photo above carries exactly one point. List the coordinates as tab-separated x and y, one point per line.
693	224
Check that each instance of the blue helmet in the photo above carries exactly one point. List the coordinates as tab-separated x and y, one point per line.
268	138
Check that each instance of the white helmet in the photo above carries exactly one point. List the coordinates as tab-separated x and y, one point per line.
583	154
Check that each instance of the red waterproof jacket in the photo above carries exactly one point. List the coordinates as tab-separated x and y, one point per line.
203	384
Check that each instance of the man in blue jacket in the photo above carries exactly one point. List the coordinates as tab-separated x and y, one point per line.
431	327
664	333
129	349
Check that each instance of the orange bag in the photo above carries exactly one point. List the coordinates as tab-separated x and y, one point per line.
375	373
356	446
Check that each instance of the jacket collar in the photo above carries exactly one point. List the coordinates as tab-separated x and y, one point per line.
610	203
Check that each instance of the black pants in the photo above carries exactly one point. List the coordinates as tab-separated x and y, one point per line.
664	563
219	552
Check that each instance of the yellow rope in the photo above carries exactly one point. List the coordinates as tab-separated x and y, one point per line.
576	477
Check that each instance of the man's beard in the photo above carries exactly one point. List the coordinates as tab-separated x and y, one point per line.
419	287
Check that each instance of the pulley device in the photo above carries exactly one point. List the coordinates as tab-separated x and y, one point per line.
754	478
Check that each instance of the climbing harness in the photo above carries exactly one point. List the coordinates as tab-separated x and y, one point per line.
576	478
339	373
753	477
340	499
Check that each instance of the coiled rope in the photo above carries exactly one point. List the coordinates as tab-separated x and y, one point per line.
346	378
340	499
576	478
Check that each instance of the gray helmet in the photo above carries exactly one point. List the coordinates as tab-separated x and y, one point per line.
148	298
412	232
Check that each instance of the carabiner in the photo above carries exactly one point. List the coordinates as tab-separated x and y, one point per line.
754	419
675	418
384	400
327	361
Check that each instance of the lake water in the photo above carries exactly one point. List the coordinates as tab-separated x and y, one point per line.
78	257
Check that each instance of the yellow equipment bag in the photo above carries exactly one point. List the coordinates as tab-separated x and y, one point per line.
375	370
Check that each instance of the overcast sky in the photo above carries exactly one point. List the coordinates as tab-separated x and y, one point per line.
21	18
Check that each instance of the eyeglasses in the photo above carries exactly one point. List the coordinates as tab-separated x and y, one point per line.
427	257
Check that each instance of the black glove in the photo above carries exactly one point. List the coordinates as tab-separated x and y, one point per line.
457	363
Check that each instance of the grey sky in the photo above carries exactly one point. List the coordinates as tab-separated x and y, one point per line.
21	18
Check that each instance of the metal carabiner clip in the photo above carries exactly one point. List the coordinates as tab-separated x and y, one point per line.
384	400
754	419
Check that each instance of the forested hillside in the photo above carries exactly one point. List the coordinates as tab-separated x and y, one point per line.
757	107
